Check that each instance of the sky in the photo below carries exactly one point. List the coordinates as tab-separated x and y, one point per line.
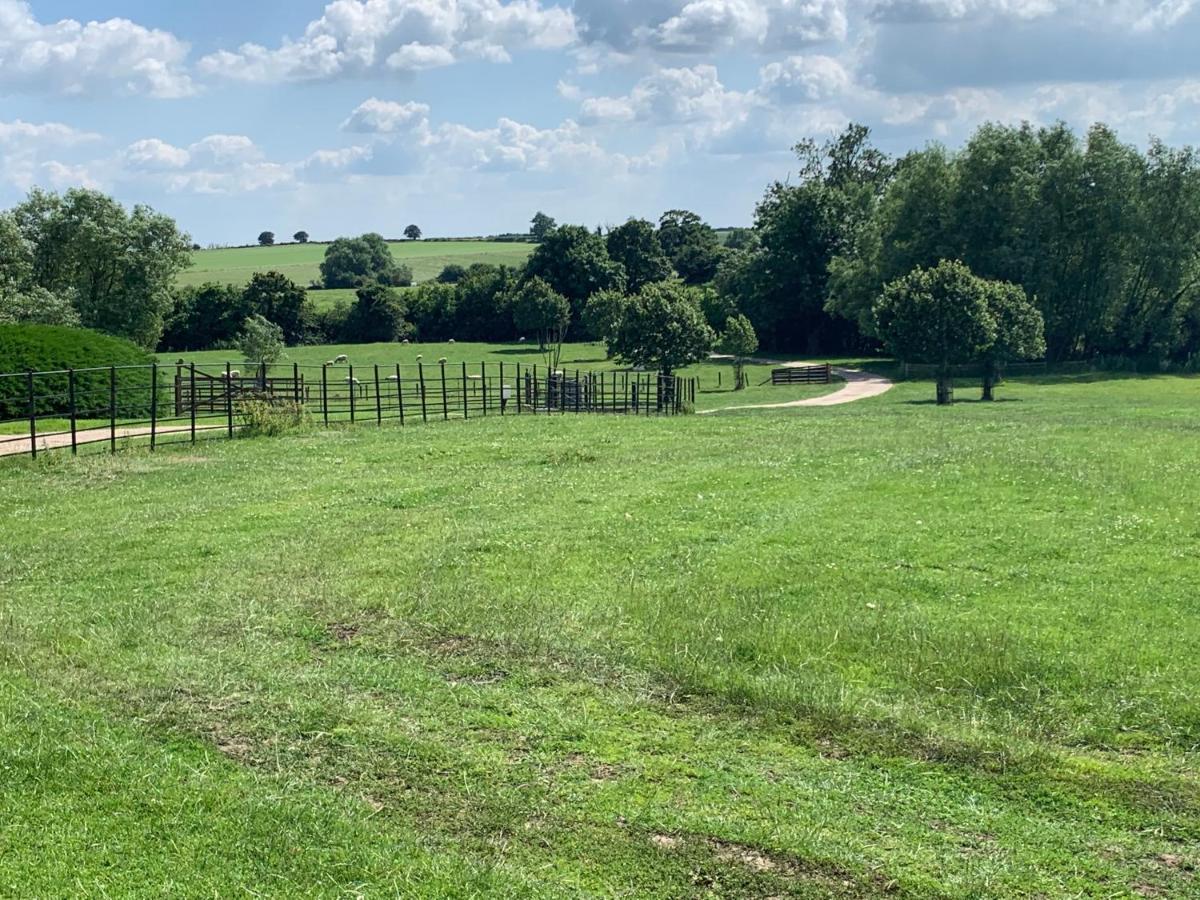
467	116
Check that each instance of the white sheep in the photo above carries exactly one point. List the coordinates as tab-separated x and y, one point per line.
341	359
234	373
451	341
353	381
442	361
521	341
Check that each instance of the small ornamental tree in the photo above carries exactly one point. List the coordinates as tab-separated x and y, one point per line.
300	237
261	341
413	233
938	316
539	308
1020	331
267	239
663	328
739	341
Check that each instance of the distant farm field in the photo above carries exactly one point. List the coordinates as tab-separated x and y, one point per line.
301	262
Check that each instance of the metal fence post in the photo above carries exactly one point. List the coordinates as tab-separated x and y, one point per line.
229	397
378	399
325	394
32	418
192	403
350	386
153	406
464	387
400	394
421	380
74	412
112	408
445	402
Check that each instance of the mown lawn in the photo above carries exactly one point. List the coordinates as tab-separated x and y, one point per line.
302	262
883	649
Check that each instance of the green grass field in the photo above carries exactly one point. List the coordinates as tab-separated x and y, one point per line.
301	262
884	649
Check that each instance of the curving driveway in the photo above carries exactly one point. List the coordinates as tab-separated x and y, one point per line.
859	386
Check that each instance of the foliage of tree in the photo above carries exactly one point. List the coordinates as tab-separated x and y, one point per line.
266	239
574	262
691	244
602	315
663	328
452	274
635	245
782	285
739	341
206	316
353	262
413	233
1020	331
1107	238
938	316
541	227
260	341
377	315
280	300
483	304
116	267
300	237
540	309
742	239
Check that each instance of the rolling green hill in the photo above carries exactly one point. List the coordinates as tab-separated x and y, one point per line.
301	262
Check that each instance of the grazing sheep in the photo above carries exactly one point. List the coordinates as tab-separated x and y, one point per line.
420	357
521	341
341	359
353	381
405	341
328	363
442	361
231	374
451	341
393	378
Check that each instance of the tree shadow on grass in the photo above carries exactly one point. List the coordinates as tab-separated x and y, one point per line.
966	401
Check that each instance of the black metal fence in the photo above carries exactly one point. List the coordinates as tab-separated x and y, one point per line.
119	406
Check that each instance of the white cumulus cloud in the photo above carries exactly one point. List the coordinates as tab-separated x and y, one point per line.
115	56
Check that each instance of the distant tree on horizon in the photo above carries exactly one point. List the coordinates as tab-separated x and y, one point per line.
266	239
300	237
413	233
542	226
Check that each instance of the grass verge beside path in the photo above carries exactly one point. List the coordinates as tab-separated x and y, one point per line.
883	649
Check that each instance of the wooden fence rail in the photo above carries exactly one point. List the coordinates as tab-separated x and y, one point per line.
803	375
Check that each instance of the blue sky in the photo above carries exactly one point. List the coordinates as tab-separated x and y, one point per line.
467	116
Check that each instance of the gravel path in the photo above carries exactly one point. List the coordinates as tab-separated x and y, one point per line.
859	386
14	444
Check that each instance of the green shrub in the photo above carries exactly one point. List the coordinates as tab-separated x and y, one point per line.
260	417
55	348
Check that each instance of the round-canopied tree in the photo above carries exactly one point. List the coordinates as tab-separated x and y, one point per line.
1020	331
636	246
537	307
575	263
413	233
266	239
663	328
938	316
300	237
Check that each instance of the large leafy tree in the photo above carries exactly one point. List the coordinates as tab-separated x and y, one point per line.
353	262
692	245
206	315
575	263
802	227
663	328
279	299
636	246
541	227
483	305
602	314
377	315
116	266
938	316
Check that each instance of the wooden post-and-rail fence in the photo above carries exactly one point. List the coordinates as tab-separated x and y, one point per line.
160	405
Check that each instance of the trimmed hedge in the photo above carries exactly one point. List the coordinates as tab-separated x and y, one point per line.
51	348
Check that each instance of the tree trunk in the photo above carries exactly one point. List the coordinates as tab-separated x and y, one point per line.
989	382
945	389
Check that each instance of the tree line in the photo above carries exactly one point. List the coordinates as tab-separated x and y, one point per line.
1100	238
